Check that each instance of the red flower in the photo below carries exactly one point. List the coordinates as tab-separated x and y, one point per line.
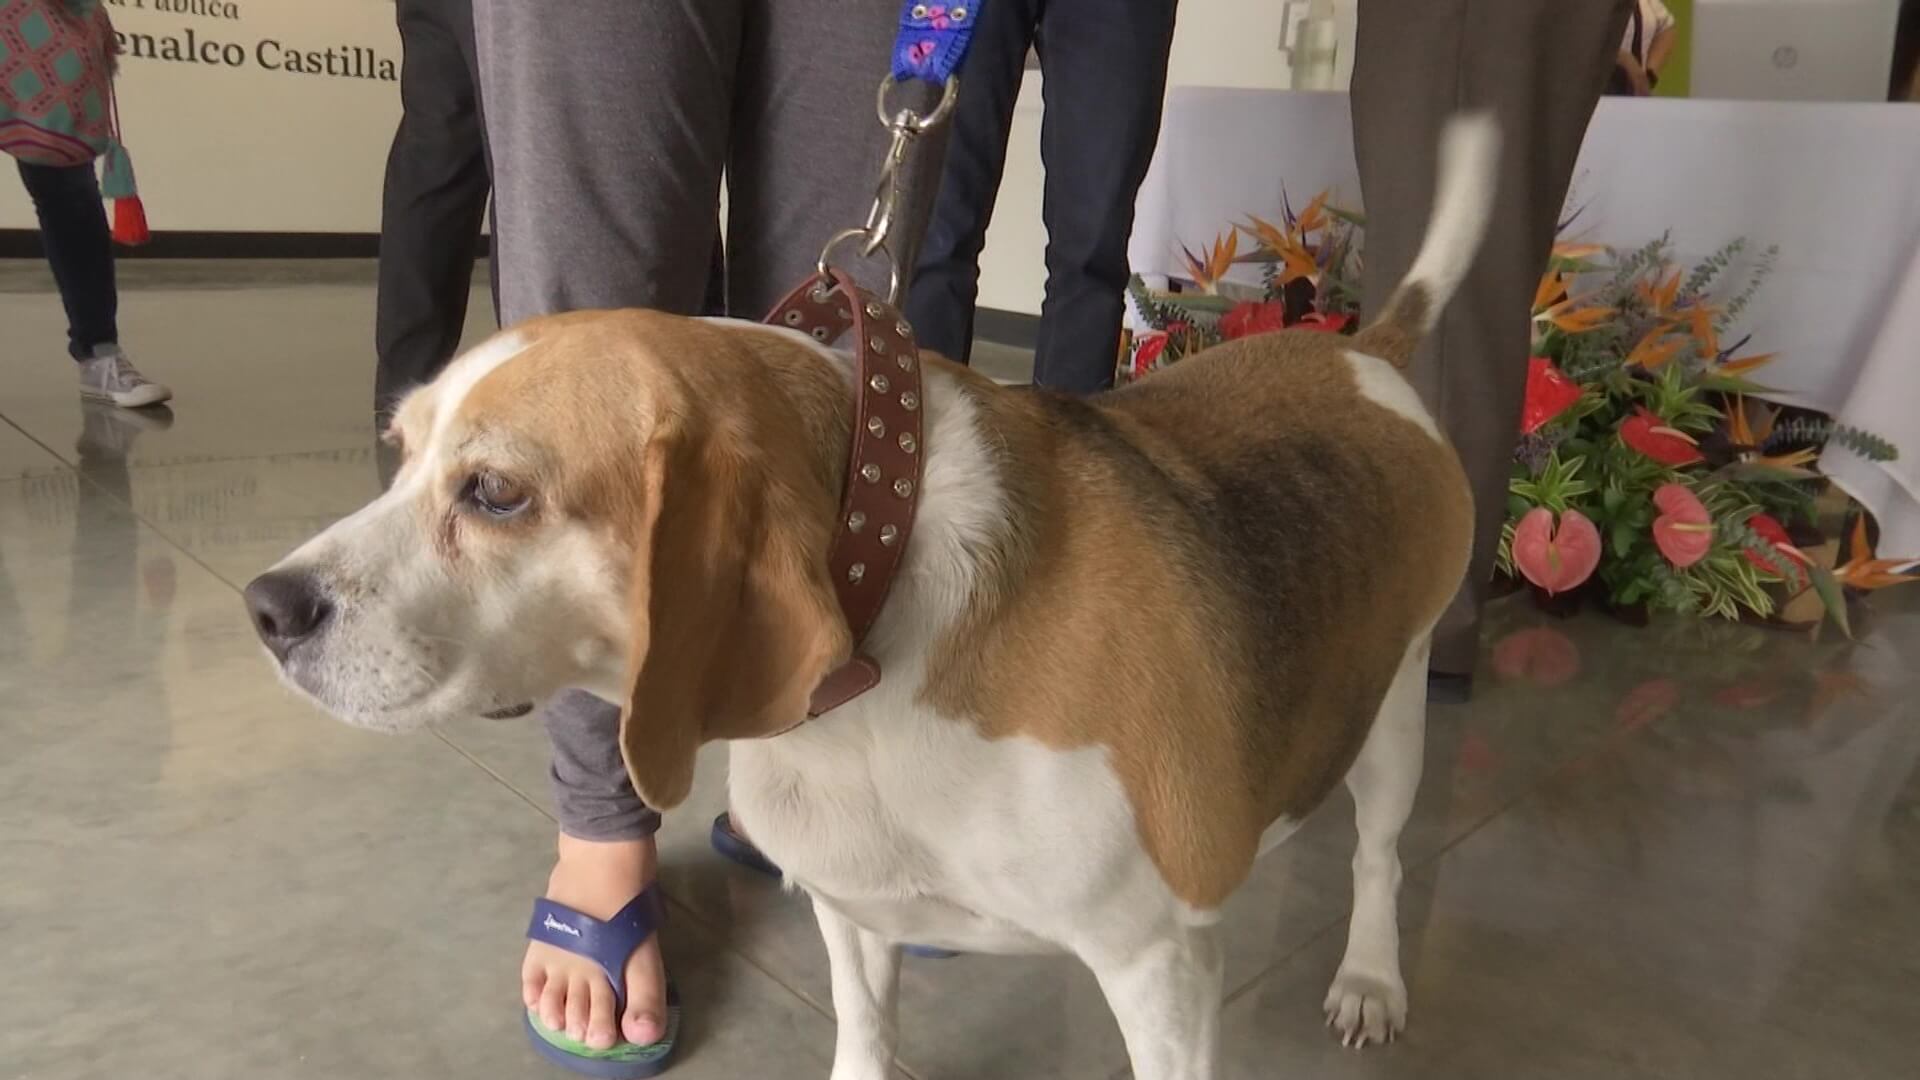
1645	432
1549	393
1556	560
1147	349
1748	695
1252	317
1539	655
1775	534
1684	530
1646	703
1476	756
1332	324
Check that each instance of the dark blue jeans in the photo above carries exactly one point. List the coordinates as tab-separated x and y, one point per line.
1104	63
433	201
79	246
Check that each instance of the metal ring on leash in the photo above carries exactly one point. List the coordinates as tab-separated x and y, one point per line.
871	245
908	120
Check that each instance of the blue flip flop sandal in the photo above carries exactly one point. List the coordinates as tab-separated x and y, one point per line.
728	841
607	944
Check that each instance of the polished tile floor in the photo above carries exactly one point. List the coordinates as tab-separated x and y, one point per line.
1676	852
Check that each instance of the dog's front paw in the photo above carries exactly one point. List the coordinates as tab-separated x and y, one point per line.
1366	1009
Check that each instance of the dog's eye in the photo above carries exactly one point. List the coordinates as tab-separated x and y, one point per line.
496	495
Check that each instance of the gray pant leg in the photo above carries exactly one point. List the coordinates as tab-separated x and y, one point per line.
609	126
1540	66
593	799
807	146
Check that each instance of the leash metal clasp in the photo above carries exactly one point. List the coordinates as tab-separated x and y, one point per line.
906	124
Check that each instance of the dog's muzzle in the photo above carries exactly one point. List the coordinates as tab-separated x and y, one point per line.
288	610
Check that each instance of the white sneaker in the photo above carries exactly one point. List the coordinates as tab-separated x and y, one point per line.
110	376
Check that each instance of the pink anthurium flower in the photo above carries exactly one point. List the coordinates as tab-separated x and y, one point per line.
1667	445
1539	655
1647	702
1684	530
1557	560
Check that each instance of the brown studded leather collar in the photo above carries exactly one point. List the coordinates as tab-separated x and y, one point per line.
884	460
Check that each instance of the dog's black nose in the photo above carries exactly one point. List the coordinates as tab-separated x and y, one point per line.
287	609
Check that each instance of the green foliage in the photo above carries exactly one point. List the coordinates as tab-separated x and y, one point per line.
1816	431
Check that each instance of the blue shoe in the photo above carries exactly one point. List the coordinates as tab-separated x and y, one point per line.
608	944
728	841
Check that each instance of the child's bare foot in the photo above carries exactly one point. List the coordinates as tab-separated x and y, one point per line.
570	992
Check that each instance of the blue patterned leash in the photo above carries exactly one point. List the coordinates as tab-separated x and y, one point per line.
933	39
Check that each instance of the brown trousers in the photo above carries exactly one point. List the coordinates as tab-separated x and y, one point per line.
1540	66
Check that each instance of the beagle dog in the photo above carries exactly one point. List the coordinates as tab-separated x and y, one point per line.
1132	643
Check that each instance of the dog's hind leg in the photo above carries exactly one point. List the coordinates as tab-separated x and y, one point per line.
1166	995
1368	1000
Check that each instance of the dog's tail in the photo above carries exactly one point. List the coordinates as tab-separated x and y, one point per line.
1463	201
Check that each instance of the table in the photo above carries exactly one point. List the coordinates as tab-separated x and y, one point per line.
1835	186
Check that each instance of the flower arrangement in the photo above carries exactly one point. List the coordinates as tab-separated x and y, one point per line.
1309	274
1648	474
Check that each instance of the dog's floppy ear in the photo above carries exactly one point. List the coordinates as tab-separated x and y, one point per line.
735	620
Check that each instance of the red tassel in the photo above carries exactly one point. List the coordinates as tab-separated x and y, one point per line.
130	222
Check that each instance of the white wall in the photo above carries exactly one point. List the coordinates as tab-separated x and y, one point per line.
253	147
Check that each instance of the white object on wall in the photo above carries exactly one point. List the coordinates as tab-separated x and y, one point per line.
1311	43
1793	50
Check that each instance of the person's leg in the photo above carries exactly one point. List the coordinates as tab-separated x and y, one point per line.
1103	65
947	277
608	121
807	147
607	124
1540	65
715	300
434	202
79	246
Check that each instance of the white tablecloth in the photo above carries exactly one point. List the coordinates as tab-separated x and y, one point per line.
1835	186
